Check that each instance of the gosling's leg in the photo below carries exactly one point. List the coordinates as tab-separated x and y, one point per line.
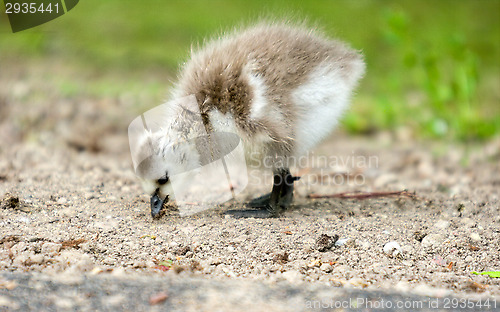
282	194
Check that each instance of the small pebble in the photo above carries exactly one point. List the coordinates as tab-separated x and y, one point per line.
442	224
341	241
139	264
326	267
357	282
325	242
362	244
62	200
21	259
19	247
37	259
433	240
475	237
392	249
158	298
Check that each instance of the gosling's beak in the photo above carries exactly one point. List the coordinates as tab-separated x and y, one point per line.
157	204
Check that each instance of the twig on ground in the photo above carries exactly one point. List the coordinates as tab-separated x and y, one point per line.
72	243
365	195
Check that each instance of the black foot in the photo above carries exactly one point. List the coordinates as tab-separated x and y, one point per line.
280	198
261	202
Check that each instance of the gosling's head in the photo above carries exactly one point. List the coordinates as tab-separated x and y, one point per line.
163	157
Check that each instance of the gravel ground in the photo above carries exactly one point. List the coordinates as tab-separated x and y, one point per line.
71	208
136	292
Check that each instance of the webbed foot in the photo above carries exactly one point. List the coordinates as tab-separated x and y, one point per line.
274	203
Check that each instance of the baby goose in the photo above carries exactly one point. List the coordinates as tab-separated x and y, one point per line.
280	88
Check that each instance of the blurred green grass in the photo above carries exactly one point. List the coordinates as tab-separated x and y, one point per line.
433	66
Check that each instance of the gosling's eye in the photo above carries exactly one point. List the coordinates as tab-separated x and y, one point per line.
162	181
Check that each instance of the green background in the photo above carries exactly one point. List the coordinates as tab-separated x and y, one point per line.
433	67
